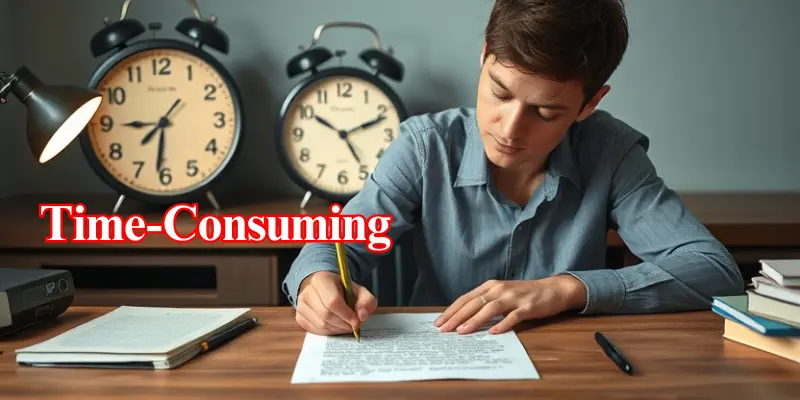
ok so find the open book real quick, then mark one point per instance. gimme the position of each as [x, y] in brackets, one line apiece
[139, 337]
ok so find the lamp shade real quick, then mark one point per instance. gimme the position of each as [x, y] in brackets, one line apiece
[56, 114]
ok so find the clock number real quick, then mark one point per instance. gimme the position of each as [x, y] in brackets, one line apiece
[343, 89]
[220, 119]
[342, 177]
[210, 90]
[363, 173]
[321, 170]
[297, 133]
[304, 155]
[382, 108]
[366, 97]
[138, 71]
[189, 71]
[322, 96]
[389, 134]
[306, 112]
[191, 168]
[212, 146]
[165, 177]
[116, 95]
[165, 62]
[380, 153]
[116, 151]
[106, 123]
[140, 165]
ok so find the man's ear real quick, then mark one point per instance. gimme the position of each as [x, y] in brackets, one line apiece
[589, 108]
[483, 53]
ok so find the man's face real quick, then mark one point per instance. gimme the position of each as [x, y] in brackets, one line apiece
[523, 117]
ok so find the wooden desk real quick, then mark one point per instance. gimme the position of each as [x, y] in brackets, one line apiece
[677, 355]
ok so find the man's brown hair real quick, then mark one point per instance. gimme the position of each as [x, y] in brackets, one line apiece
[560, 39]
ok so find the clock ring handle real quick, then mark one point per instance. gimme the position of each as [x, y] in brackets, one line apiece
[376, 41]
[195, 9]
[192, 4]
[124, 11]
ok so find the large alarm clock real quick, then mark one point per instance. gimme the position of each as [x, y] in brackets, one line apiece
[171, 118]
[335, 124]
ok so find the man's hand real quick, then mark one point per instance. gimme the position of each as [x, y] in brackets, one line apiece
[517, 300]
[321, 307]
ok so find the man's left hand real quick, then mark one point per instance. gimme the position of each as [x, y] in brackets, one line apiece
[516, 300]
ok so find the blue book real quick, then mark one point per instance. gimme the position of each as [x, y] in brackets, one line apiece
[735, 308]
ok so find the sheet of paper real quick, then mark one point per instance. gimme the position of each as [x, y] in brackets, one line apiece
[139, 330]
[408, 347]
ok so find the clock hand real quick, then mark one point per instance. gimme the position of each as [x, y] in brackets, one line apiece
[139, 124]
[162, 123]
[160, 159]
[150, 134]
[175, 104]
[367, 124]
[325, 122]
[352, 150]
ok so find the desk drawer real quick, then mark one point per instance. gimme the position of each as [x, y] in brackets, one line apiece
[163, 279]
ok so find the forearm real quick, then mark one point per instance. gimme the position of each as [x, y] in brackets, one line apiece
[681, 282]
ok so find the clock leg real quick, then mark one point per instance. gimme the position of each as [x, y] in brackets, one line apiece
[305, 200]
[119, 203]
[213, 200]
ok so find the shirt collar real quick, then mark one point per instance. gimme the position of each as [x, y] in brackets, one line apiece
[474, 168]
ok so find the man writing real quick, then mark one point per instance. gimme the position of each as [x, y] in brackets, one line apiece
[510, 202]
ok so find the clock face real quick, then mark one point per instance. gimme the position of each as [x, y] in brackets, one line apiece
[167, 123]
[335, 131]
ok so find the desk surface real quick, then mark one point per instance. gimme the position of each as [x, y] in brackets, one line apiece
[677, 355]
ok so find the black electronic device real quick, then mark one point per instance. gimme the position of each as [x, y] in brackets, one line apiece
[29, 296]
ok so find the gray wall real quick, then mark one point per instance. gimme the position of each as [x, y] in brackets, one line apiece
[712, 82]
[9, 127]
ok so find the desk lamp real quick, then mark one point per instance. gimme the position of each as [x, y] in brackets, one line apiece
[56, 116]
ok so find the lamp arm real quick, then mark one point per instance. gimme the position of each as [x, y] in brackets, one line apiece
[6, 80]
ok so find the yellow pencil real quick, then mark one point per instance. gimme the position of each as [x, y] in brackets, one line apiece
[344, 272]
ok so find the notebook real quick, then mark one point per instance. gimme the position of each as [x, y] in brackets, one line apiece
[784, 272]
[786, 347]
[735, 308]
[137, 338]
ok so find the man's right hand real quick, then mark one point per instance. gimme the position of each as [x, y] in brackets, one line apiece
[322, 309]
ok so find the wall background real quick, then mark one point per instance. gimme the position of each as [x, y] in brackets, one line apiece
[712, 83]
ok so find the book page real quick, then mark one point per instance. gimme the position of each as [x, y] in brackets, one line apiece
[139, 330]
[406, 347]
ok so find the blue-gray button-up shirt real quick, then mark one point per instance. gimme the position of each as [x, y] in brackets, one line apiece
[434, 179]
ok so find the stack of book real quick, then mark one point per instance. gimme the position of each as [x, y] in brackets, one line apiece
[767, 317]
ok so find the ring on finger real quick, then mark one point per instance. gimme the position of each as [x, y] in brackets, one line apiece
[484, 300]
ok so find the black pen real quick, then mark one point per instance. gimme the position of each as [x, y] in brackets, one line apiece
[229, 334]
[613, 353]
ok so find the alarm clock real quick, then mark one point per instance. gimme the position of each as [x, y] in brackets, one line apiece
[171, 119]
[335, 124]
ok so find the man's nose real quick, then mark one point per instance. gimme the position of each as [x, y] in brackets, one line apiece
[512, 126]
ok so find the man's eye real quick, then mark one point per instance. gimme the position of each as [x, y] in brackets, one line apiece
[547, 117]
[501, 97]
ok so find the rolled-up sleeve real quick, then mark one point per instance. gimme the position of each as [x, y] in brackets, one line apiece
[683, 266]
